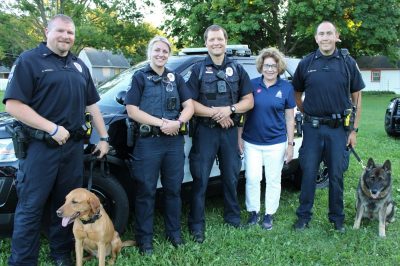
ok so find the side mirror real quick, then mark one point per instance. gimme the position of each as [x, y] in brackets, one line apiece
[120, 97]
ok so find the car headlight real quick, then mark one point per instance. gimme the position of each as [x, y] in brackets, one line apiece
[7, 152]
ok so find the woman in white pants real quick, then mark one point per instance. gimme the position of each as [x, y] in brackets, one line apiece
[267, 137]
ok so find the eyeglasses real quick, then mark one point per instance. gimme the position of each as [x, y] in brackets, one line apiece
[267, 66]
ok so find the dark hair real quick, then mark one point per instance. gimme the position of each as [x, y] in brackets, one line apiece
[215, 28]
[62, 17]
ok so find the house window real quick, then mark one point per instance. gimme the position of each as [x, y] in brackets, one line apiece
[375, 76]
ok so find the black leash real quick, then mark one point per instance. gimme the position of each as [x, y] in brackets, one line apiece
[103, 168]
[357, 157]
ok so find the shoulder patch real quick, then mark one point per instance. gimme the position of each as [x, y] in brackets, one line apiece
[78, 66]
[10, 76]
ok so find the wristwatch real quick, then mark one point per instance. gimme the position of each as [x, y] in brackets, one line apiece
[291, 143]
[107, 139]
[233, 109]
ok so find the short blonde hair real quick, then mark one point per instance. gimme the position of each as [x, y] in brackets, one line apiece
[157, 39]
[273, 53]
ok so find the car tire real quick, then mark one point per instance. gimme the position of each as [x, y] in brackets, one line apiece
[322, 177]
[113, 198]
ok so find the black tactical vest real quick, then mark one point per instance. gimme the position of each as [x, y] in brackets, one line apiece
[160, 97]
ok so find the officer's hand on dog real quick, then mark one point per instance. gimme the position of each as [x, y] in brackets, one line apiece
[61, 135]
[170, 127]
[101, 149]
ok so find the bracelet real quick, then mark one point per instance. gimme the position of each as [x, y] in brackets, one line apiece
[54, 132]
[180, 122]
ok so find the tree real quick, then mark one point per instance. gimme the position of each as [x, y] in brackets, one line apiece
[366, 26]
[103, 24]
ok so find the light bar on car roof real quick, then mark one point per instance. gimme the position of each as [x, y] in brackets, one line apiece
[231, 50]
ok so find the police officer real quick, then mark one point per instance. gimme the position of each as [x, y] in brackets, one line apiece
[49, 91]
[332, 84]
[221, 89]
[160, 103]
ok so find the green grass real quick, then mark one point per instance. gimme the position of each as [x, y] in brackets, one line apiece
[319, 245]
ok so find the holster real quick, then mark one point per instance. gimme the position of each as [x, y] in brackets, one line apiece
[19, 138]
[131, 133]
[192, 126]
[238, 119]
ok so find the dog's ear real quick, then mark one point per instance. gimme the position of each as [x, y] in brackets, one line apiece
[387, 166]
[371, 163]
[94, 204]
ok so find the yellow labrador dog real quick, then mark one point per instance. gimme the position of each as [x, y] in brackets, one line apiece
[93, 230]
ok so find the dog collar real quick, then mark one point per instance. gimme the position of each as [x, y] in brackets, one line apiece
[92, 219]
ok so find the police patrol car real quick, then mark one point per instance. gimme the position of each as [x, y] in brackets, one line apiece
[111, 179]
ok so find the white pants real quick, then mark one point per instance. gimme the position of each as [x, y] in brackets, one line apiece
[272, 157]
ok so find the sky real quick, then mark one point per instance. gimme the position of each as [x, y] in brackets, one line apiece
[155, 15]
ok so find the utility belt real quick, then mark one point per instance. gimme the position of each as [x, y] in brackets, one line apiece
[22, 135]
[146, 131]
[334, 121]
[37, 134]
[238, 121]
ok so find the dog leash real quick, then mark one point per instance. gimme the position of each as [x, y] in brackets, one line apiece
[357, 157]
[105, 171]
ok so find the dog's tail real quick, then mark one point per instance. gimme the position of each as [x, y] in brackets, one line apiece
[129, 243]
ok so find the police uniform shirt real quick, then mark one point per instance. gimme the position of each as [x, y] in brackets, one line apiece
[57, 88]
[325, 82]
[194, 83]
[266, 123]
[134, 94]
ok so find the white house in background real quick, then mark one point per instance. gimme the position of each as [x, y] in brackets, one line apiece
[379, 73]
[4, 73]
[103, 64]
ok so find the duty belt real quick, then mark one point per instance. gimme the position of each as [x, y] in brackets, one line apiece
[146, 131]
[208, 121]
[42, 135]
[211, 123]
[322, 120]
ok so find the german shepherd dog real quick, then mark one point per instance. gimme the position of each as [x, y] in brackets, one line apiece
[374, 195]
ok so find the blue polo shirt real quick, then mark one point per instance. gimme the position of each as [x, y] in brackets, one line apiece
[324, 81]
[265, 123]
[57, 88]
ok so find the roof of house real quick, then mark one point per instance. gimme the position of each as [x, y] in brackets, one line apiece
[380, 62]
[102, 58]
[4, 69]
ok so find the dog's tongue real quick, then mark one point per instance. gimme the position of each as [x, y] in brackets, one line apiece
[65, 221]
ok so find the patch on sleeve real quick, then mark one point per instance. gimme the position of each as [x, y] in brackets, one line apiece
[11, 73]
[78, 66]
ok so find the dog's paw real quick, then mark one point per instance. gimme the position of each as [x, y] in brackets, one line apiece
[356, 226]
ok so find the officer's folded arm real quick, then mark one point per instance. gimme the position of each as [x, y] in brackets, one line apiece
[245, 104]
[142, 117]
